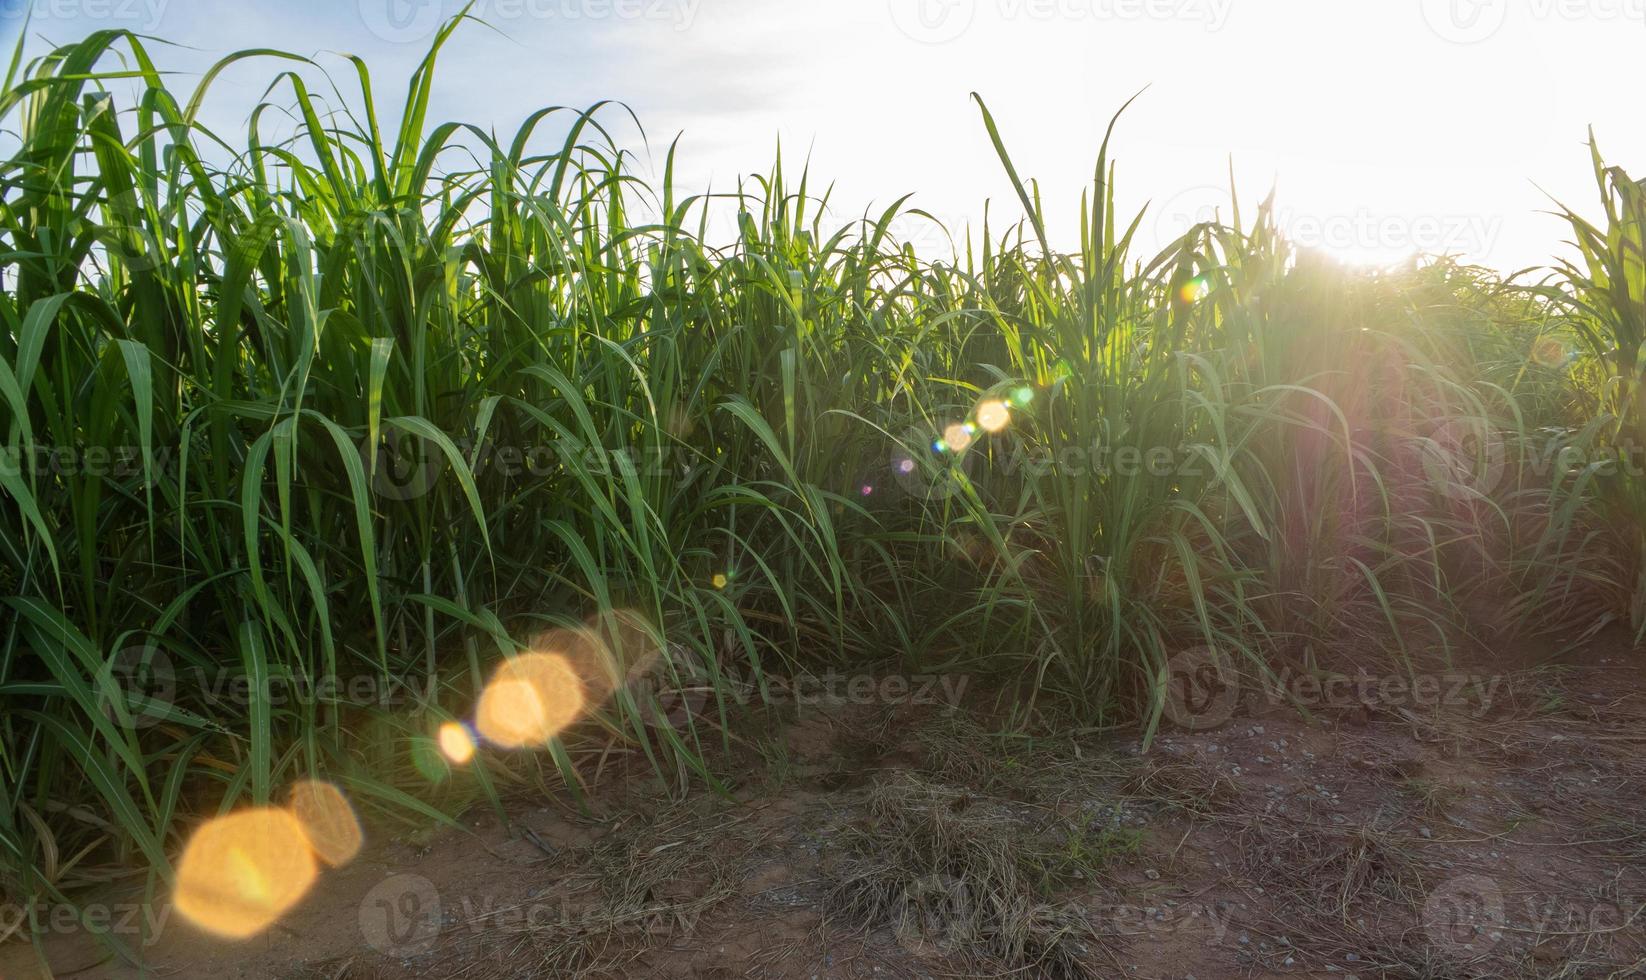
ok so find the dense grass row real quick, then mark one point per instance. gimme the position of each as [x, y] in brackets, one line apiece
[382, 405]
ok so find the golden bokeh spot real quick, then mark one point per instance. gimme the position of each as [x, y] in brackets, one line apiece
[1549, 352]
[586, 651]
[531, 699]
[957, 437]
[719, 581]
[1195, 290]
[328, 821]
[241, 872]
[993, 416]
[455, 742]
[633, 643]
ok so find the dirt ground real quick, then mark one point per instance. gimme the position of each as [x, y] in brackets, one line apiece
[1455, 824]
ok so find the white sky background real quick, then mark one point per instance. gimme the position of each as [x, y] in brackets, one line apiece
[1387, 126]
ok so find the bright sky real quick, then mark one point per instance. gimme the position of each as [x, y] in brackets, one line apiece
[1385, 125]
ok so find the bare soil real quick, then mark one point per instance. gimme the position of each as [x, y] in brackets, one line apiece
[1492, 825]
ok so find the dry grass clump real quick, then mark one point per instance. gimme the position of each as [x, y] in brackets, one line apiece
[643, 885]
[1332, 873]
[953, 874]
[1184, 786]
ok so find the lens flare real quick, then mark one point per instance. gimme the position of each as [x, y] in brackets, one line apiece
[241, 872]
[719, 581]
[1195, 290]
[905, 466]
[993, 416]
[1549, 352]
[1023, 396]
[629, 638]
[586, 651]
[328, 821]
[531, 699]
[957, 437]
[455, 742]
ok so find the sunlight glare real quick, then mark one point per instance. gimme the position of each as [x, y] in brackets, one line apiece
[327, 820]
[531, 699]
[241, 872]
[456, 744]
